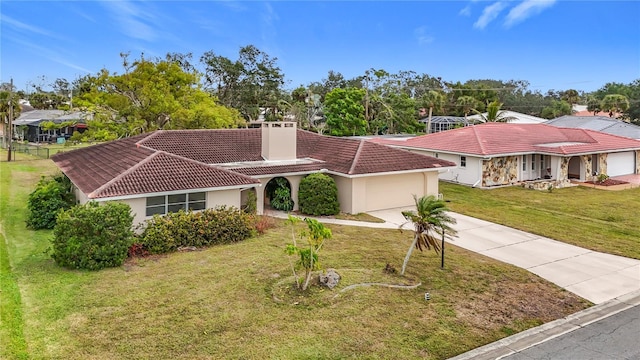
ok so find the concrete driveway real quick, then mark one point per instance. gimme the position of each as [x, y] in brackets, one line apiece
[595, 276]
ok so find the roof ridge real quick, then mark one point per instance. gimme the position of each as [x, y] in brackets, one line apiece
[123, 174]
[356, 157]
[475, 132]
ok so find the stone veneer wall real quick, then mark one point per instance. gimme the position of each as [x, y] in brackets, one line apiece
[588, 173]
[564, 169]
[602, 163]
[500, 171]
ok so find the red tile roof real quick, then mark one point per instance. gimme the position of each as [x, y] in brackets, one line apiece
[492, 139]
[186, 159]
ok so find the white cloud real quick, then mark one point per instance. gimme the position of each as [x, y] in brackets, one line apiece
[133, 20]
[466, 11]
[19, 25]
[422, 36]
[489, 14]
[525, 10]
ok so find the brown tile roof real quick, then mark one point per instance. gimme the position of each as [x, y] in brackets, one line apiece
[185, 159]
[492, 139]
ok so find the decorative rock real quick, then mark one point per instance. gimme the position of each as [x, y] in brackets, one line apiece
[330, 278]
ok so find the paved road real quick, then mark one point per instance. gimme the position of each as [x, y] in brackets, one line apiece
[612, 338]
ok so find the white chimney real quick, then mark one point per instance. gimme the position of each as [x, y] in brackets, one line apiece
[279, 140]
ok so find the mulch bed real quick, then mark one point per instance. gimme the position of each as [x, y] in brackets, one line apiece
[608, 182]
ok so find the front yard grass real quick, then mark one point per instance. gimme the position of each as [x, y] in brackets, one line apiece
[600, 220]
[235, 301]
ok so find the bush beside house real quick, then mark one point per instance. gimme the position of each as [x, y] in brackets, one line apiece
[318, 195]
[45, 202]
[222, 225]
[93, 236]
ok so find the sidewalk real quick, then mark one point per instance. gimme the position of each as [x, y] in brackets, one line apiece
[595, 276]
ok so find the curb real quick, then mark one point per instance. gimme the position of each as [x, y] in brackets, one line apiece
[534, 336]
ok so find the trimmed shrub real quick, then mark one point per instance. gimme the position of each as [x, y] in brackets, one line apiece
[318, 195]
[45, 202]
[93, 236]
[221, 225]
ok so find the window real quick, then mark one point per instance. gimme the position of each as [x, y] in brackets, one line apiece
[463, 161]
[524, 162]
[436, 155]
[173, 203]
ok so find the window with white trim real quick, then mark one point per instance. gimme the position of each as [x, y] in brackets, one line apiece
[463, 161]
[165, 204]
[524, 162]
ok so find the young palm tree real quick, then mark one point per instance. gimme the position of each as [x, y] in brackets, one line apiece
[429, 219]
[494, 114]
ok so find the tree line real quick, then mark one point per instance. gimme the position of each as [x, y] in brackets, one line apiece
[178, 92]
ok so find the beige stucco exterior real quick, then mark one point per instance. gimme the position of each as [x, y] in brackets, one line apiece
[279, 140]
[229, 198]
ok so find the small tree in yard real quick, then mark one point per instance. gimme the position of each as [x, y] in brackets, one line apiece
[318, 195]
[315, 236]
[429, 219]
[93, 236]
[50, 196]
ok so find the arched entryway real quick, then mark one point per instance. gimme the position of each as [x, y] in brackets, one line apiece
[575, 168]
[277, 194]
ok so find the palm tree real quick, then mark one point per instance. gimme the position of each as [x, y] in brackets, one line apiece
[467, 103]
[429, 219]
[433, 100]
[494, 114]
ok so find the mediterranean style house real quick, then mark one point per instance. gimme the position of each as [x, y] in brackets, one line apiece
[498, 154]
[165, 171]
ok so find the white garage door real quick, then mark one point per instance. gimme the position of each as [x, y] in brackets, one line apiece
[621, 163]
[391, 191]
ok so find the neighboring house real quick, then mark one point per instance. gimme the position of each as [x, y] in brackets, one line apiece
[164, 171]
[28, 126]
[514, 118]
[496, 154]
[603, 124]
[581, 110]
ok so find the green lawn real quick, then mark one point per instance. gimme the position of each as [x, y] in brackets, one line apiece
[600, 220]
[235, 301]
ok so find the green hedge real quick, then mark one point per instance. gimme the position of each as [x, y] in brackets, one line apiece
[221, 225]
[318, 195]
[93, 236]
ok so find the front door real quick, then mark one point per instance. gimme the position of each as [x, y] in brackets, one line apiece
[529, 167]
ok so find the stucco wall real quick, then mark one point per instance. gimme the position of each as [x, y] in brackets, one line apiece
[138, 209]
[390, 191]
[500, 171]
[345, 193]
[468, 175]
[81, 197]
[637, 161]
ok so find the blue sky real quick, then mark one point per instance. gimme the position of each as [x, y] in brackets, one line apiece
[552, 44]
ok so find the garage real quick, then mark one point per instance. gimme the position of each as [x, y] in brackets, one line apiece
[622, 163]
[391, 191]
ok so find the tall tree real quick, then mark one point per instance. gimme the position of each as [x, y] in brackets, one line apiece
[467, 103]
[429, 219]
[433, 100]
[614, 104]
[250, 84]
[344, 111]
[556, 109]
[149, 95]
